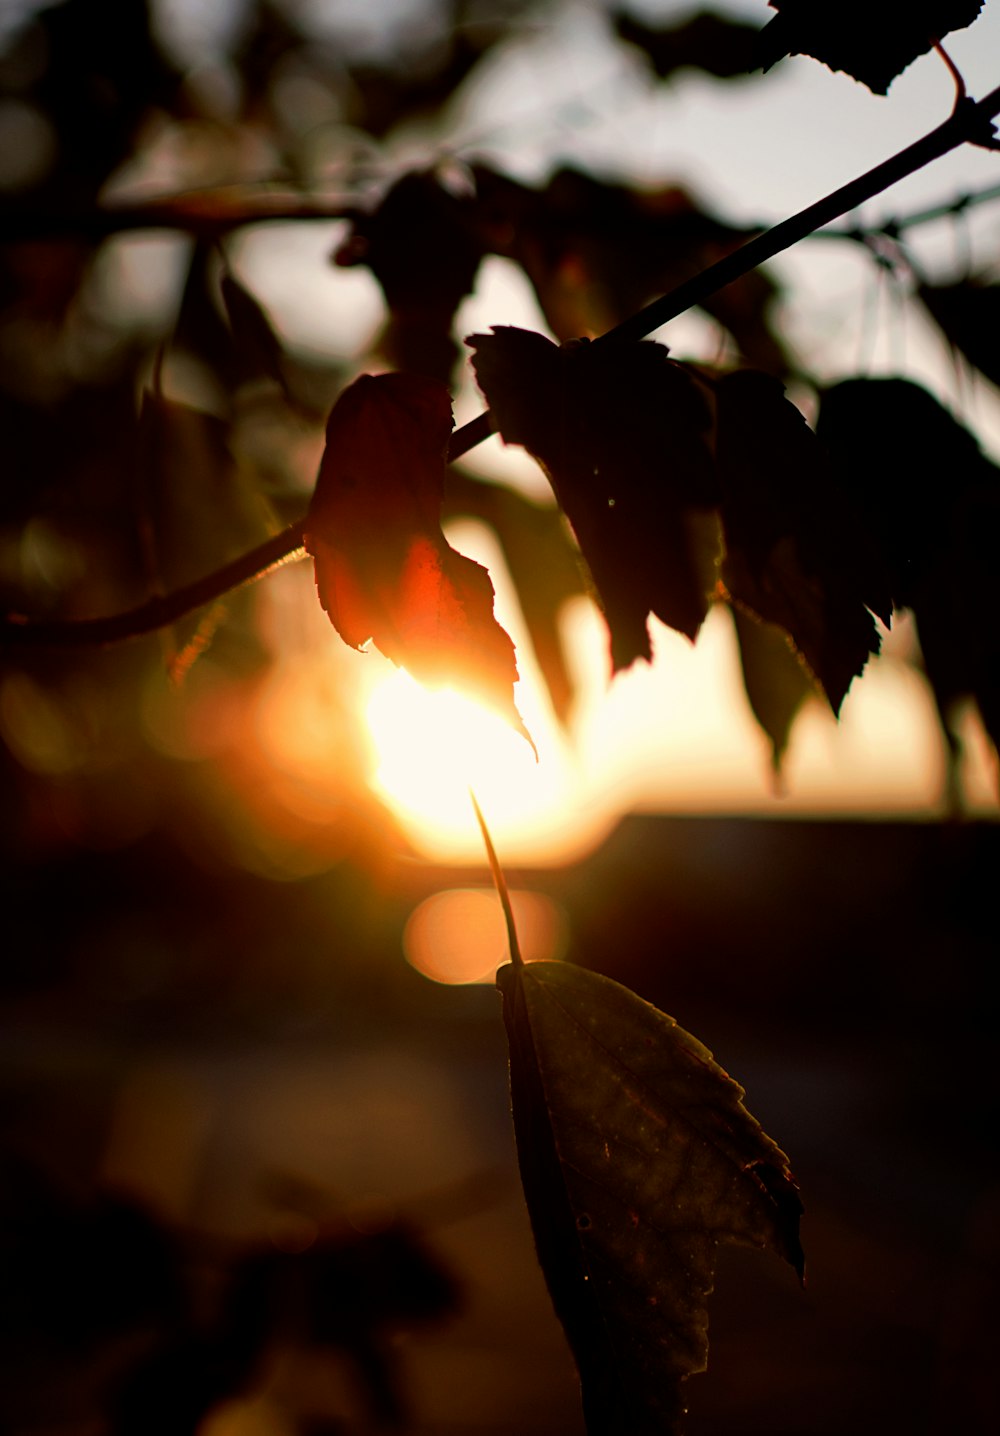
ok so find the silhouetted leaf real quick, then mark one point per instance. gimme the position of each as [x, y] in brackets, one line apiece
[717, 44]
[874, 46]
[621, 433]
[637, 1158]
[421, 246]
[938, 526]
[198, 509]
[253, 333]
[596, 252]
[776, 681]
[383, 567]
[796, 551]
[544, 565]
[969, 315]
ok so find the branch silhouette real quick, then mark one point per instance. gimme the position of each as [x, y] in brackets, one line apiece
[969, 122]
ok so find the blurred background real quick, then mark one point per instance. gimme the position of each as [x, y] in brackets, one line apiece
[257, 1170]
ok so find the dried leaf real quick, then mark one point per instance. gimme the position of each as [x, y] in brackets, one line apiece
[384, 569]
[873, 46]
[621, 433]
[637, 1158]
[796, 552]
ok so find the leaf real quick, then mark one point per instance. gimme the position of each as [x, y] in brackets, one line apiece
[969, 315]
[797, 553]
[637, 1158]
[260, 350]
[776, 681]
[421, 246]
[621, 433]
[544, 565]
[934, 509]
[596, 252]
[874, 45]
[198, 507]
[705, 41]
[384, 569]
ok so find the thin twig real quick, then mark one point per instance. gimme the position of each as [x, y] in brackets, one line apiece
[969, 122]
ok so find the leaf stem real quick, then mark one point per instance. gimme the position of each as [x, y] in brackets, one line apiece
[500, 883]
[17, 631]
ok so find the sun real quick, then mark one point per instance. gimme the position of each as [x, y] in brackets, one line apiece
[433, 746]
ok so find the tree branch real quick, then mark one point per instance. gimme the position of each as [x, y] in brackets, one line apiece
[969, 122]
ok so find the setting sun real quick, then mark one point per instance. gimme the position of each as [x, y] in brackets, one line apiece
[432, 747]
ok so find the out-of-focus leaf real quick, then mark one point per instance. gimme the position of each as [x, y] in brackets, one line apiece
[350, 1291]
[197, 508]
[596, 252]
[717, 44]
[94, 83]
[544, 565]
[933, 503]
[423, 79]
[873, 46]
[777, 683]
[421, 246]
[621, 433]
[253, 334]
[797, 553]
[637, 1158]
[384, 570]
[969, 315]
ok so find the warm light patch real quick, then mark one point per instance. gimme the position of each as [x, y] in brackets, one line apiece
[460, 936]
[433, 746]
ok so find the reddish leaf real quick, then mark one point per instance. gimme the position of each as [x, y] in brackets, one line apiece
[384, 569]
[621, 433]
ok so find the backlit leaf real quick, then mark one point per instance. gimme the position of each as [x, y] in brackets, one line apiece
[595, 252]
[420, 244]
[621, 434]
[637, 1158]
[544, 565]
[873, 45]
[933, 504]
[776, 681]
[796, 553]
[384, 570]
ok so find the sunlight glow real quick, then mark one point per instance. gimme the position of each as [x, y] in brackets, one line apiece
[434, 746]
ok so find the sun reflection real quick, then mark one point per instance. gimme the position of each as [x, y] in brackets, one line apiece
[459, 936]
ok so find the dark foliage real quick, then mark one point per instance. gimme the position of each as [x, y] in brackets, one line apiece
[874, 49]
